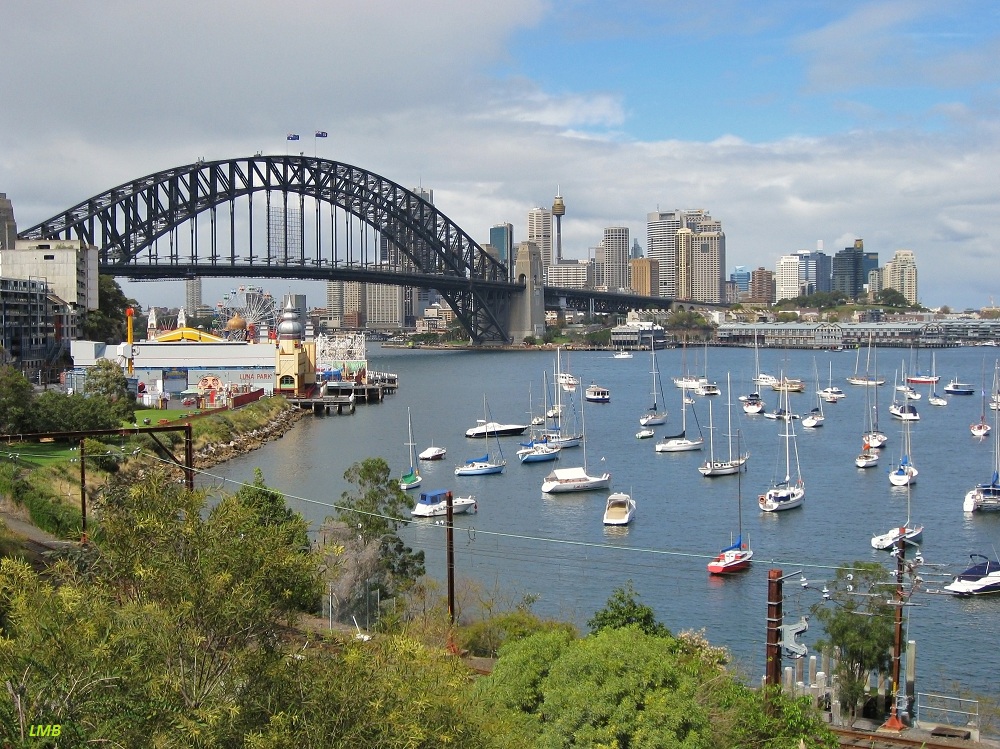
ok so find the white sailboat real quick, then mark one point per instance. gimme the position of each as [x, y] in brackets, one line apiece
[735, 557]
[681, 442]
[737, 462]
[785, 495]
[575, 479]
[982, 427]
[815, 417]
[412, 479]
[865, 379]
[564, 431]
[655, 416]
[875, 437]
[868, 456]
[907, 533]
[987, 496]
[905, 473]
[538, 449]
[487, 464]
[831, 393]
[760, 378]
[932, 396]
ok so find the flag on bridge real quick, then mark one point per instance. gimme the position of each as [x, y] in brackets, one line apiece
[292, 136]
[321, 133]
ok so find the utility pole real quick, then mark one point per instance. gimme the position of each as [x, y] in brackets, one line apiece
[450, 546]
[894, 723]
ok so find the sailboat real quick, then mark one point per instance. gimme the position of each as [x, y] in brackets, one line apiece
[654, 417]
[981, 428]
[907, 533]
[784, 495]
[831, 393]
[713, 467]
[865, 379]
[987, 496]
[575, 479]
[486, 464]
[735, 557]
[752, 403]
[903, 410]
[413, 479]
[760, 378]
[538, 449]
[868, 456]
[815, 418]
[680, 442]
[905, 473]
[560, 434]
[932, 396]
[874, 436]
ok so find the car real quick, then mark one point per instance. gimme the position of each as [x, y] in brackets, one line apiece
[189, 402]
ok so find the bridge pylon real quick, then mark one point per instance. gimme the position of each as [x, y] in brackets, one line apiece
[527, 312]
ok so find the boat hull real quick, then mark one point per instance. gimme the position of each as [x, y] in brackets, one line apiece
[653, 419]
[903, 476]
[909, 535]
[565, 480]
[493, 429]
[780, 499]
[679, 445]
[433, 453]
[539, 454]
[722, 467]
[730, 561]
[479, 468]
[620, 509]
[459, 506]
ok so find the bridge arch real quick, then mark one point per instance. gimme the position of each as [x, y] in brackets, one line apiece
[127, 222]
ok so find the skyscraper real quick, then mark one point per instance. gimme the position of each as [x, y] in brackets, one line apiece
[901, 274]
[762, 286]
[815, 270]
[706, 254]
[616, 248]
[192, 295]
[849, 270]
[645, 275]
[786, 278]
[741, 277]
[540, 232]
[502, 237]
[558, 211]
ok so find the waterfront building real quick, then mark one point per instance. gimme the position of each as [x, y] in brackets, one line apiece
[645, 275]
[705, 256]
[786, 278]
[502, 237]
[616, 249]
[850, 270]
[900, 274]
[540, 232]
[571, 274]
[762, 287]
[638, 334]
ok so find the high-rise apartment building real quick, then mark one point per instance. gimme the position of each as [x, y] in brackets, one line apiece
[850, 271]
[571, 274]
[645, 275]
[901, 274]
[616, 248]
[762, 286]
[540, 232]
[384, 306]
[192, 295]
[703, 253]
[786, 278]
[502, 237]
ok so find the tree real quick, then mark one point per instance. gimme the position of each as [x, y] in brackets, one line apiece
[16, 395]
[624, 687]
[107, 323]
[624, 610]
[683, 324]
[53, 411]
[859, 626]
[375, 560]
[892, 298]
[106, 381]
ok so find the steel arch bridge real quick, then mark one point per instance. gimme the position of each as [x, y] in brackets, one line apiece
[136, 228]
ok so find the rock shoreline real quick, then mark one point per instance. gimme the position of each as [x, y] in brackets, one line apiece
[241, 444]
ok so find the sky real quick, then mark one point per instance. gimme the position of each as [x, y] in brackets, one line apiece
[791, 122]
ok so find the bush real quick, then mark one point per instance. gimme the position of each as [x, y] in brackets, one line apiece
[484, 638]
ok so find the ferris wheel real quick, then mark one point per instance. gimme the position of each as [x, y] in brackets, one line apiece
[245, 313]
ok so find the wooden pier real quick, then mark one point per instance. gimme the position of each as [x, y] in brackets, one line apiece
[342, 396]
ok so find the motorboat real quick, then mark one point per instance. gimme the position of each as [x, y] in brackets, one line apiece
[785, 494]
[486, 429]
[433, 453]
[434, 503]
[597, 394]
[690, 382]
[619, 510]
[707, 388]
[623, 354]
[412, 479]
[832, 394]
[574, 480]
[567, 381]
[780, 413]
[645, 433]
[982, 576]
[959, 388]
[753, 403]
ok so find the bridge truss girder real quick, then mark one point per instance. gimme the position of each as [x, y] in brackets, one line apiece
[125, 223]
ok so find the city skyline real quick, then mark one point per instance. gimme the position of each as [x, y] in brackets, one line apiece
[832, 122]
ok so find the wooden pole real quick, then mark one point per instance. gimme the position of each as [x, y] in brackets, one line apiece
[188, 458]
[772, 667]
[83, 490]
[894, 723]
[450, 544]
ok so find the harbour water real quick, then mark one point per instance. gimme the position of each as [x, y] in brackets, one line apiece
[556, 548]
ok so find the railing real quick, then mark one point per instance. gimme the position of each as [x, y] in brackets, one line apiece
[955, 712]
